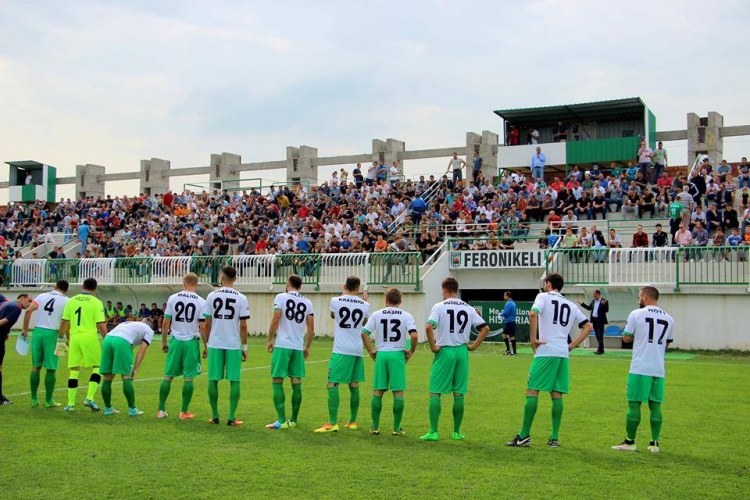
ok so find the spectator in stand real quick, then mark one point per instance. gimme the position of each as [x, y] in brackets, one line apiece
[456, 165]
[538, 162]
[583, 206]
[570, 222]
[554, 221]
[659, 239]
[731, 218]
[718, 241]
[735, 240]
[477, 163]
[632, 204]
[615, 240]
[713, 219]
[648, 203]
[744, 169]
[640, 240]
[723, 170]
[700, 237]
[698, 216]
[660, 161]
[614, 196]
[745, 218]
[683, 238]
[144, 312]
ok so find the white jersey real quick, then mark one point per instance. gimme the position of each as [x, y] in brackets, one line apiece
[295, 308]
[134, 332]
[557, 317]
[453, 319]
[185, 312]
[349, 314]
[226, 307]
[651, 328]
[390, 326]
[50, 307]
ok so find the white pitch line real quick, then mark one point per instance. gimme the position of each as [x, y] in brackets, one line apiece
[154, 379]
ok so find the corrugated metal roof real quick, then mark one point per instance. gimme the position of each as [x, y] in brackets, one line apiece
[25, 163]
[630, 107]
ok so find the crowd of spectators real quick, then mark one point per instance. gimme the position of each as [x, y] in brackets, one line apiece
[374, 210]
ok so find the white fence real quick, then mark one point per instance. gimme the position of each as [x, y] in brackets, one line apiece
[628, 266]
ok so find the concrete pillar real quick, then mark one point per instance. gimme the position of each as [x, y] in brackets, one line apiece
[307, 172]
[378, 150]
[488, 152]
[225, 172]
[393, 152]
[704, 137]
[473, 144]
[153, 180]
[292, 164]
[86, 181]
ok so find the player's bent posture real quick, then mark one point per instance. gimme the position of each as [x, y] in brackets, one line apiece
[652, 329]
[292, 315]
[184, 317]
[453, 319]
[349, 313]
[549, 372]
[44, 340]
[391, 327]
[226, 314]
[82, 321]
[117, 359]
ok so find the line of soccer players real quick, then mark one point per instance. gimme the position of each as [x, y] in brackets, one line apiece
[221, 322]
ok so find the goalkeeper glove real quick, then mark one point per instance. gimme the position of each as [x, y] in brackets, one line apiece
[61, 349]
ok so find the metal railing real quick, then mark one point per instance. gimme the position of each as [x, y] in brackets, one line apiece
[398, 268]
[696, 265]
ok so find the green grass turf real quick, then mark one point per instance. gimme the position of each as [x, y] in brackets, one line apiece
[705, 440]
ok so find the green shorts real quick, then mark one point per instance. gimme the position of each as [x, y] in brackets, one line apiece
[344, 369]
[43, 343]
[183, 358]
[287, 363]
[645, 388]
[85, 350]
[549, 374]
[117, 356]
[450, 370]
[224, 364]
[390, 371]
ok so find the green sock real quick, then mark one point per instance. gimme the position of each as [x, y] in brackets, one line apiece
[376, 405]
[187, 395]
[49, 385]
[296, 401]
[107, 393]
[398, 412]
[634, 418]
[435, 408]
[164, 388]
[655, 409]
[234, 399]
[73, 386]
[333, 405]
[34, 380]
[279, 401]
[353, 403]
[213, 397]
[458, 412]
[557, 412]
[129, 391]
[529, 410]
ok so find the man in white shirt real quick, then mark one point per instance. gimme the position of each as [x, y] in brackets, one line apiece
[349, 314]
[549, 372]
[457, 165]
[183, 318]
[453, 319]
[292, 318]
[652, 329]
[225, 334]
[117, 359]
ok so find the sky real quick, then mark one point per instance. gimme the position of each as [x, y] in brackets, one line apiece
[115, 82]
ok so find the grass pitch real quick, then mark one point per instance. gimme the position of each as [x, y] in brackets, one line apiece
[705, 440]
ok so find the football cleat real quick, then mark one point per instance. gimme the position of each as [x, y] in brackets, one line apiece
[352, 426]
[134, 412]
[327, 428]
[90, 404]
[290, 424]
[375, 432]
[278, 425]
[70, 408]
[234, 423]
[400, 432]
[6, 401]
[457, 436]
[214, 421]
[625, 446]
[52, 404]
[518, 441]
[430, 436]
[34, 403]
[161, 414]
[186, 415]
[553, 443]
[653, 447]
[108, 412]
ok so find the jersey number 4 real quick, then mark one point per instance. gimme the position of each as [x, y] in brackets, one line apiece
[50, 307]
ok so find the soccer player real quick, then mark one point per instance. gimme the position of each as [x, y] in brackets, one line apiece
[509, 318]
[44, 339]
[549, 372]
[84, 317]
[391, 327]
[292, 315]
[453, 319]
[117, 359]
[184, 315]
[349, 313]
[226, 313]
[652, 329]
[10, 311]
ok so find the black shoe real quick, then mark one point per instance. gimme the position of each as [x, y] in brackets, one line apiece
[214, 421]
[507, 353]
[599, 353]
[5, 401]
[518, 442]
[512, 354]
[553, 443]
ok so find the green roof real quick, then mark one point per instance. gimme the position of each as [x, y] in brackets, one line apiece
[617, 109]
[26, 164]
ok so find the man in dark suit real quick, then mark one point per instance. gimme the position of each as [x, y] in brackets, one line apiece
[599, 308]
